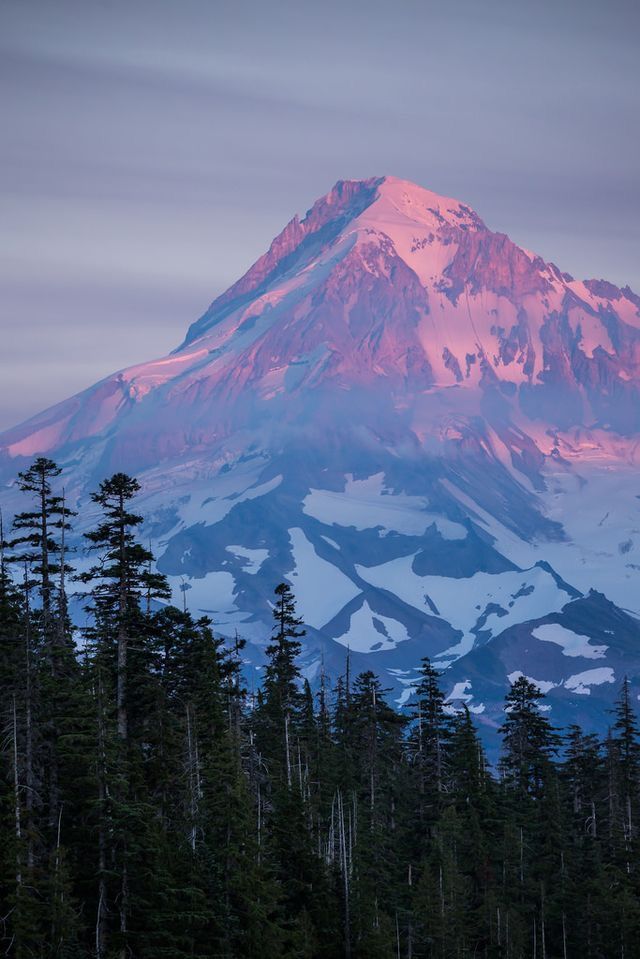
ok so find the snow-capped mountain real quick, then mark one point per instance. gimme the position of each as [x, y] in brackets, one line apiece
[429, 431]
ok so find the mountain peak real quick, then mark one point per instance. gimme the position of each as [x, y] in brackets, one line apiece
[394, 409]
[423, 205]
[320, 225]
[409, 199]
[409, 215]
[386, 286]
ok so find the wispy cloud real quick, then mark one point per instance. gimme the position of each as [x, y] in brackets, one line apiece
[152, 150]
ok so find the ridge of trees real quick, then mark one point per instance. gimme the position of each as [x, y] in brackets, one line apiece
[150, 807]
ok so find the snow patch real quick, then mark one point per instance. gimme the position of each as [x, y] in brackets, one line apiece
[321, 589]
[254, 558]
[213, 594]
[581, 682]
[460, 693]
[573, 644]
[483, 602]
[234, 487]
[330, 541]
[363, 636]
[369, 504]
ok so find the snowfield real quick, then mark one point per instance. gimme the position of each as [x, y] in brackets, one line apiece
[572, 643]
[476, 604]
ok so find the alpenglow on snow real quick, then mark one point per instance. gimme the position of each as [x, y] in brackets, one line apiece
[428, 431]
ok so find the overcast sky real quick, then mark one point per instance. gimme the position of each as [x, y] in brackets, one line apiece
[150, 150]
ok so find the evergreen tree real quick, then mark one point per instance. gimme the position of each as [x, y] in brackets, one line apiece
[626, 739]
[119, 581]
[529, 740]
[38, 548]
[125, 663]
[39, 543]
[281, 723]
[429, 741]
[149, 809]
[376, 734]
[44, 699]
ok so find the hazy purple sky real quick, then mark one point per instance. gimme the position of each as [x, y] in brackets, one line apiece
[150, 150]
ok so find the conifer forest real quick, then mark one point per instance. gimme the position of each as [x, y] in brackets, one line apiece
[154, 807]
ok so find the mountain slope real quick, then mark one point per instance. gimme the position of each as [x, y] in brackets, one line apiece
[428, 430]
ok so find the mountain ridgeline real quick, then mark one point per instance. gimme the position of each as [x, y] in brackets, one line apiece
[427, 431]
[154, 803]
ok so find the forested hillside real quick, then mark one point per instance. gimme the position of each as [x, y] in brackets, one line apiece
[154, 803]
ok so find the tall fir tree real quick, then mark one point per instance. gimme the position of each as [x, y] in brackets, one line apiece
[125, 653]
[529, 740]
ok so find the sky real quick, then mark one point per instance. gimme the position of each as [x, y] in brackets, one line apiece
[151, 150]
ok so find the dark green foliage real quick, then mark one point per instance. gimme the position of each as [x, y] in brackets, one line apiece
[39, 541]
[529, 741]
[149, 809]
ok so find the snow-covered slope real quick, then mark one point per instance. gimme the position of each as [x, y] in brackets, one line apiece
[431, 432]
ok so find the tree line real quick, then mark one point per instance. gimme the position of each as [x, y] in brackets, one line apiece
[150, 807]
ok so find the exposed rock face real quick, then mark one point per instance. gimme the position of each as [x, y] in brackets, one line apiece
[429, 430]
[298, 242]
[490, 262]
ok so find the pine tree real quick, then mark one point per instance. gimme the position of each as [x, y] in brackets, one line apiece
[119, 581]
[125, 661]
[43, 694]
[38, 548]
[12, 658]
[428, 742]
[278, 725]
[282, 695]
[626, 738]
[529, 740]
[376, 745]
[14, 893]
[39, 543]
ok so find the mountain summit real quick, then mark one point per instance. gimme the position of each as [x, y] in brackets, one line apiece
[428, 430]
